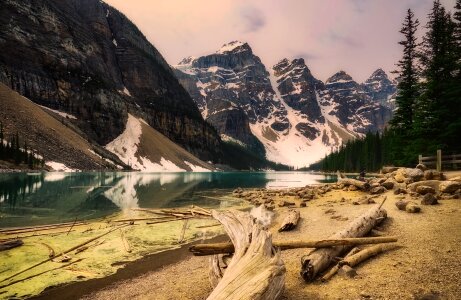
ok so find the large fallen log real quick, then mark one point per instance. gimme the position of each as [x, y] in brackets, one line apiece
[290, 221]
[320, 259]
[221, 248]
[256, 270]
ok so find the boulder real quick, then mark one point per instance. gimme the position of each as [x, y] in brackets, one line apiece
[352, 188]
[399, 191]
[388, 169]
[433, 174]
[457, 178]
[409, 173]
[424, 189]
[421, 167]
[401, 204]
[431, 183]
[388, 184]
[377, 190]
[429, 199]
[449, 186]
[412, 207]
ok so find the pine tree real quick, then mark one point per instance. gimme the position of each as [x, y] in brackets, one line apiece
[408, 88]
[436, 104]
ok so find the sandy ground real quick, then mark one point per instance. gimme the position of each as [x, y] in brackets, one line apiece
[427, 266]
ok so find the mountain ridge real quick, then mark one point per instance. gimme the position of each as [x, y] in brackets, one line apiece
[297, 110]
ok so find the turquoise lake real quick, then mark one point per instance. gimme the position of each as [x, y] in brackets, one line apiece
[44, 198]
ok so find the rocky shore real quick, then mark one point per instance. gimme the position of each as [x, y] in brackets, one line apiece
[427, 265]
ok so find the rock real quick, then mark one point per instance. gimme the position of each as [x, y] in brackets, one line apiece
[412, 207]
[302, 204]
[377, 190]
[424, 189]
[457, 178]
[388, 184]
[433, 174]
[401, 204]
[429, 199]
[421, 167]
[352, 188]
[388, 169]
[347, 271]
[413, 174]
[449, 186]
[399, 190]
[430, 183]
[285, 203]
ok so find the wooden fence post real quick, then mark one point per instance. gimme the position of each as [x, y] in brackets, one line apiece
[439, 160]
[420, 159]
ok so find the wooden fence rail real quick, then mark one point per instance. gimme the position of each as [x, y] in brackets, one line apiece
[440, 160]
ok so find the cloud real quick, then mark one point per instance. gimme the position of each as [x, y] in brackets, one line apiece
[336, 38]
[252, 18]
[359, 5]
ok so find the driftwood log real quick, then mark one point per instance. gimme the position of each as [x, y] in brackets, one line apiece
[221, 248]
[10, 244]
[290, 221]
[256, 270]
[320, 259]
[363, 255]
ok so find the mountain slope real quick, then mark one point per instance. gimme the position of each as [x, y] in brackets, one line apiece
[144, 148]
[59, 145]
[85, 58]
[297, 117]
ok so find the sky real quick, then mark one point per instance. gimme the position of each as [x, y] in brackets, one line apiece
[357, 36]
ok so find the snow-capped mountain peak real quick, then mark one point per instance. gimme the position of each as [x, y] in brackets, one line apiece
[234, 47]
[287, 113]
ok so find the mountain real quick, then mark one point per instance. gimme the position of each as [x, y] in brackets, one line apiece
[50, 134]
[296, 117]
[379, 87]
[86, 59]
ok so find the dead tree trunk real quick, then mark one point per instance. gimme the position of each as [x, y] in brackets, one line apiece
[6, 245]
[290, 221]
[256, 270]
[318, 260]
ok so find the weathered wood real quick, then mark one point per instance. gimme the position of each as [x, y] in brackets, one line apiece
[10, 244]
[38, 227]
[256, 270]
[320, 259]
[290, 221]
[220, 248]
[363, 255]
[337, 267]
[183, 231]
[362, 185]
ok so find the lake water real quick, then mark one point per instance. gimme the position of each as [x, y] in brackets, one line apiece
[44, 198]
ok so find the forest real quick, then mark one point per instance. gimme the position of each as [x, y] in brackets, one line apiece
[428, 100]
[11, 151]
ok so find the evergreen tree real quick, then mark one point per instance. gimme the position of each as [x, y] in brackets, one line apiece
[435, 105]
[408, 88]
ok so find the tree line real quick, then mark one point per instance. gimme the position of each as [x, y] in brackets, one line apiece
[428, 100]
[11, 151]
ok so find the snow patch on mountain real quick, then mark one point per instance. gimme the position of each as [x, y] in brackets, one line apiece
[126, 145]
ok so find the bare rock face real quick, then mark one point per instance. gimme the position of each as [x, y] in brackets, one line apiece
[87, 59]
[381, 88]
[449, 186]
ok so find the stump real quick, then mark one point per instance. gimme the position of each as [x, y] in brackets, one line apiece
[256, 270]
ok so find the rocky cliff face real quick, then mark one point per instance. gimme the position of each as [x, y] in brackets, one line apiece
[232, 89]
[381, 89]
[85, 58]
[297, 117]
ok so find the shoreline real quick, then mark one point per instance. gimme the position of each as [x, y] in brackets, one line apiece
[148, 263]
